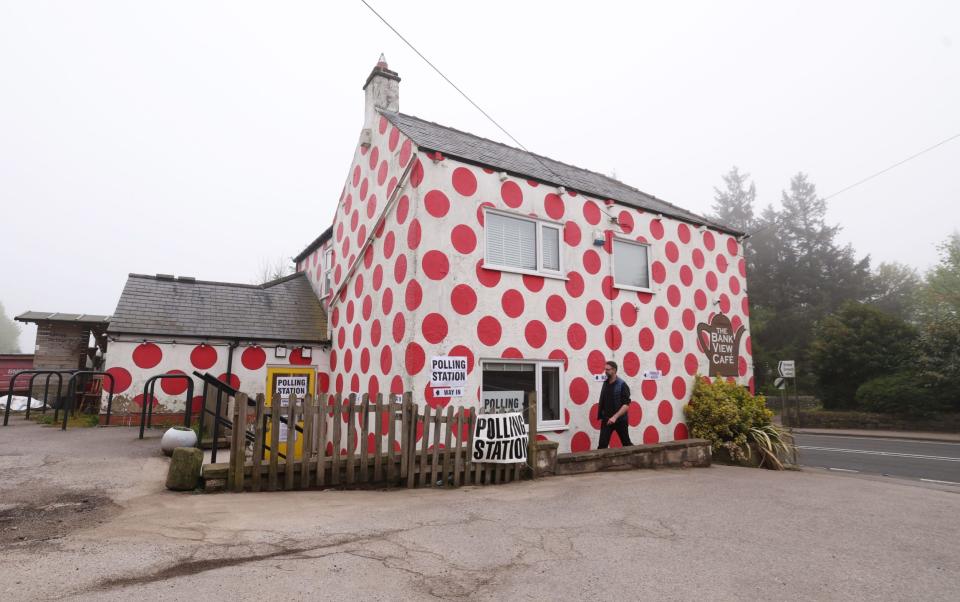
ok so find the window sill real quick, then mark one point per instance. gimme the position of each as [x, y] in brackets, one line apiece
[543, 428]
[636, 289]
[497, 268]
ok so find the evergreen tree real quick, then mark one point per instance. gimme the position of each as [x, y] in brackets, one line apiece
[895, 290]
[733, 205]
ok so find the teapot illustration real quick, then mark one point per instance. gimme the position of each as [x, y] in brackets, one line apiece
[721, 345]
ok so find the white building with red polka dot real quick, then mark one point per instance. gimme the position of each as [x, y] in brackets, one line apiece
[537, 272]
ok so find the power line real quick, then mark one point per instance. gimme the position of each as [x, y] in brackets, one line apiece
[872, 176]
[897, 164]
[560, 180]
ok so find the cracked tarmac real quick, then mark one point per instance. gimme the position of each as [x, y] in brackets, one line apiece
[717, 533]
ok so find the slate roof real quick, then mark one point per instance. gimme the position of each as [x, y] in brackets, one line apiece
[285, 309]
[481, 151]
[41, 316]
[324, 237]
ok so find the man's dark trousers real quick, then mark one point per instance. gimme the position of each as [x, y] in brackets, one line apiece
[622, 431]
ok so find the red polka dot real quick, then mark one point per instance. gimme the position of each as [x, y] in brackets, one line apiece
[698, 259]
[700, 299]
[661, 318]
[663, 363]
[464, 182]
[595, 313]
[386, 302]
[234, 380]
[405, 152]
[596, 361]
[724, 303]
[676, 341]
[734, 285]
[651, 435]
[253, 358]
[416, 172]
[413, 234]
[121, 380]
[628, 314]
[672, 252]
[437, 403]
[533, 283]
[679, 388]
[631, 363]
[463, 239]
[382, 126]
[591, 261]
[646, 339]
[436, 203]
[296, 358]
[139, 400]
[367, 310]
[594, 416]
[535, 333]
[683, 233]
[147, 355]
[511, 353]
[745, 306]
[649, 389]
[673, 295]
[511, 194]
[364, 188]
[721, 264]
[656, 229]
[356, 177]
[680, 432]
[434, 327]
[556, 308]
[414, 358]
[435, 265]
[580, 442]
[413, 295]
[574, 284]
[400, 269]
[708, 240]
[553, 205]
[742, 267]
[571, 234]
[658, 272]
[375, 332]
[742, 366]
[712, 281]
[462, 351]
[365, 360]
[489, 331]
[463, 299]
[665, 412]
[613, 338]
[512, 303]
[579, 391]
[394, 139]
[686, 275]
[488, 278]
[558, 355]
[399, 327]
[591, 212]
[576, 336]
[203, 357]
[403, 207]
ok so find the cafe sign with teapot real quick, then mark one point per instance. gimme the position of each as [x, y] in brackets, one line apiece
[721, 345]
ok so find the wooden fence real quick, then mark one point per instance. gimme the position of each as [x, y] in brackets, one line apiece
[357, 441]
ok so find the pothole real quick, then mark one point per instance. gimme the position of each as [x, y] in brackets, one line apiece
[51, 517]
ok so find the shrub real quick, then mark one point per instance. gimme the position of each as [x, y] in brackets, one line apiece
[905, 393]
[732, 419]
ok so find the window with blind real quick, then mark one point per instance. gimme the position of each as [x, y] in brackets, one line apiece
[631, 264]
[517, 243]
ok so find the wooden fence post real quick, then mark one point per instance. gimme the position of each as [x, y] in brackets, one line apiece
[362, 442]
[321, 432]
[258, 432]
[377, 434]
[274, 442]
[238, 447]
[291, 454]
[337, 436]
[306, 442]
[532, 435]
[351, 432]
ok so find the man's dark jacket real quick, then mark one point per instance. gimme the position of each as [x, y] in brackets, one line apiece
[612, 397]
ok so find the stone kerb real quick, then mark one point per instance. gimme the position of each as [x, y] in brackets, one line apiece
[688, 453]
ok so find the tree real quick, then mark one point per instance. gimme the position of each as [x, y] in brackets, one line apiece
[733, 205]
[938, 346]
[857, 343]
[895, 289]
[270, 270]
[9, 333]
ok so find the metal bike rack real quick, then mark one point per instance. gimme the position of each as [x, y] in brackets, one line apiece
[34, 373]
[146, 415]
[72, 394]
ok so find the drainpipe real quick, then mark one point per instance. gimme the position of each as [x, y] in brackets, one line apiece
[216, 421]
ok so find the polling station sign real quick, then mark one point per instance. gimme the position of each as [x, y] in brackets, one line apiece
[502, 401]
[296, 384]
[500, 438]
[448, 371]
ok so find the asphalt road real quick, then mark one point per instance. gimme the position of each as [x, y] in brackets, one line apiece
[920, 460]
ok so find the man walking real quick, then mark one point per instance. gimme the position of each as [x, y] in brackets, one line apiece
[614, 403]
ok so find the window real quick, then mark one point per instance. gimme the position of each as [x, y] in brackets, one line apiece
[542, 379]
[631, 265]
[521, 244]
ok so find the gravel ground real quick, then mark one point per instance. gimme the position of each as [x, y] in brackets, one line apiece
[84, 516]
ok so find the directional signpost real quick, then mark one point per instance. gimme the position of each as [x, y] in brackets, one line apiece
[787, 369]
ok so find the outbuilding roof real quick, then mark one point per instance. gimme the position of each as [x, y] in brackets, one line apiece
[481, 151]
[46, 316]
[285, 309]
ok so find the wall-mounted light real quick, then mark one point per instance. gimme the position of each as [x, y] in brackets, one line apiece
[562, 190]
[280, 351]
[306, 352]
[503, 176]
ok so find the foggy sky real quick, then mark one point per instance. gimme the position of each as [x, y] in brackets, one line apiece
[201, 138]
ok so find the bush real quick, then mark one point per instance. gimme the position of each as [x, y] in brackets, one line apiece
[905, 393]
[730, 417]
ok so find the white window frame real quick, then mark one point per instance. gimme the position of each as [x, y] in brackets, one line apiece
[613, 260]
[326, 266]
[542, 425]
[541, 224]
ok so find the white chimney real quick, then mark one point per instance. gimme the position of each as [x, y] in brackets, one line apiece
[382, 91]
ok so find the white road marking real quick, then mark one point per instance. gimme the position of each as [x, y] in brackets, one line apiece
[843, 470]
[878, 453]
[941, 482]
[894, 439]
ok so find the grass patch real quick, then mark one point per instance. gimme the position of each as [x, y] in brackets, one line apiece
[80, 421]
